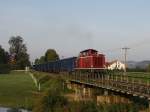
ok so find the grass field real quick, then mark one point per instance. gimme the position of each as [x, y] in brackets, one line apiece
[16, 90]
[142, 76]
[139, 74]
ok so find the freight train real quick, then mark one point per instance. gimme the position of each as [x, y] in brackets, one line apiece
[88, 59]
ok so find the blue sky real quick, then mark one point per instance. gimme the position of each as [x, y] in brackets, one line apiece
[70, 26]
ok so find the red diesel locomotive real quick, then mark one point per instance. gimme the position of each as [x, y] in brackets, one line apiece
[87, 60]
[90, 59]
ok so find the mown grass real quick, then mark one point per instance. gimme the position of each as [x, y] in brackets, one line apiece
[139, 74]
[16, 90]
[142, 76]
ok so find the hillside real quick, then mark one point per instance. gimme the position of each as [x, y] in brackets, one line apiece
[140, 64]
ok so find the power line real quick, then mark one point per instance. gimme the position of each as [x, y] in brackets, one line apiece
[133, 45]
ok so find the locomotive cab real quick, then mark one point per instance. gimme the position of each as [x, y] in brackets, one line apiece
[88, 52]
[90, 59]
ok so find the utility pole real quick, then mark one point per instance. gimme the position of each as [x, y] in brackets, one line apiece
[125, 56]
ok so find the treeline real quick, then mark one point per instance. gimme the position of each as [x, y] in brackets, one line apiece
[137, 69]
[4, 63]
[50, 55]
[17, 56]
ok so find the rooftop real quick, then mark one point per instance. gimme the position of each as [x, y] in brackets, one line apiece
[93, 50]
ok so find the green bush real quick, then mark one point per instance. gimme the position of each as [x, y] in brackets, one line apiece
[89, 107]
[50, 102]
[4, 68]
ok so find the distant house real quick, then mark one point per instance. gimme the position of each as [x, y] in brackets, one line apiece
[118, 65]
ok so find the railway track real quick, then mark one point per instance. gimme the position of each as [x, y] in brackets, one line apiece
[123, 84]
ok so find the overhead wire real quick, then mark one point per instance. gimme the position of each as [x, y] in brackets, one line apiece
[131, 46]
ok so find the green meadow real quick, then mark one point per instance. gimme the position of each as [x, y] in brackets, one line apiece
[16, 90]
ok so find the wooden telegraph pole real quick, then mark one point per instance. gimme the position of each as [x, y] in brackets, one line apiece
[125, 56]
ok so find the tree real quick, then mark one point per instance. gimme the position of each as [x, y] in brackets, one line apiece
[51, 55]
[19, 49]
[42, 59]
[37, 61]
[3, 56]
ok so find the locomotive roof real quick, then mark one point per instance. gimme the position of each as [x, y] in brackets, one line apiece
[89, 50]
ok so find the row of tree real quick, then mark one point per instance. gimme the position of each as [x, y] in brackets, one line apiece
[4, 56]
[17, 57]
[50, 55]
[137, 69]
